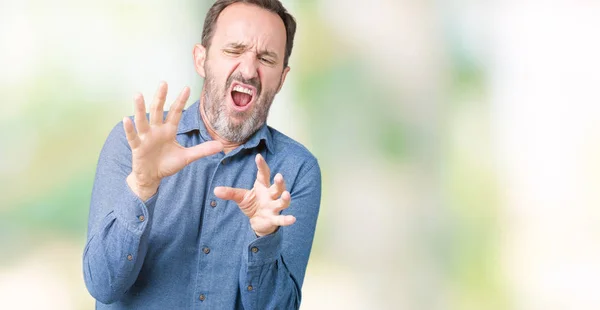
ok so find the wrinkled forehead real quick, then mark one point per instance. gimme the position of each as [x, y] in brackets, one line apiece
[252, 26]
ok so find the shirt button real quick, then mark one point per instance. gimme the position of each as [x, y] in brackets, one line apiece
[213, 203]
[250, 287]
[202, 297]
[129, 257]
[254, 249]
[141, 218]
[206, 250]
[224, 161]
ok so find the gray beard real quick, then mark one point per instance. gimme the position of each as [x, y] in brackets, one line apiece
[215, 110]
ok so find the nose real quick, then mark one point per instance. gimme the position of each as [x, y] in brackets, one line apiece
[248, 66]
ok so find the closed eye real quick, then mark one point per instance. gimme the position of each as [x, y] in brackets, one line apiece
[232, 52]
[266, 60]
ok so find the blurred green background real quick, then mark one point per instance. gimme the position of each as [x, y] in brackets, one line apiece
[458, 141]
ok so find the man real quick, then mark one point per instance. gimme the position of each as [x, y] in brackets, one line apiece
[185, 212]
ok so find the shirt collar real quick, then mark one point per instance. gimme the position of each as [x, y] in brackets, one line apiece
[191, 120]
[262, 134]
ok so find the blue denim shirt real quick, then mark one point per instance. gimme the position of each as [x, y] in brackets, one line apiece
[186, 249]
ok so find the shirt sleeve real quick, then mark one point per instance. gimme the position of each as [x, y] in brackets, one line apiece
[118, 225]
[273, 266]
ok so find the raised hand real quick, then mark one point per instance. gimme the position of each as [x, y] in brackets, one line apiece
[263, 202]
[155, 151]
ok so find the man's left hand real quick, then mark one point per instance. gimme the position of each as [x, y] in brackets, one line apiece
[263, 203]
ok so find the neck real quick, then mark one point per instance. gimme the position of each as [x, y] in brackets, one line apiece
[228, 146]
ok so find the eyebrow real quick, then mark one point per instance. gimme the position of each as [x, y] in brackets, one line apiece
[243, 46]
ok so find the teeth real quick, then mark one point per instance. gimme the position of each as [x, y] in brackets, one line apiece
[242, 89]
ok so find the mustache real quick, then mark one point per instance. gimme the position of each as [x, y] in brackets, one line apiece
[239, 78]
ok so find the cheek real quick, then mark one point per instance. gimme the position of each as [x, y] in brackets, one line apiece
[271, 80]
[219, 71]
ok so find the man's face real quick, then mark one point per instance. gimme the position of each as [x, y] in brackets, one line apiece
[243, 70]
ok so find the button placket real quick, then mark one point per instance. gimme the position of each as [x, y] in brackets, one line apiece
[209, 229]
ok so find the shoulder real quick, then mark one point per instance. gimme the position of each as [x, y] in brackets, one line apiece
[288, 146]
[296, 163]
[291, 150]
[117, 134]
[116, 142]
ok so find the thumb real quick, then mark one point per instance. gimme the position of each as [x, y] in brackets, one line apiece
[230, 193]
[203, 150]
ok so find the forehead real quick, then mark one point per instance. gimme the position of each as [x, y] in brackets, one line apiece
[250, 24]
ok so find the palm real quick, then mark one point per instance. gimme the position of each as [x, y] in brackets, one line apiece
[263, 203]
[154, 149]
[159, 155]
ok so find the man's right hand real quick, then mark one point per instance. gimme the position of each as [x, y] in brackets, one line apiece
[155, 151]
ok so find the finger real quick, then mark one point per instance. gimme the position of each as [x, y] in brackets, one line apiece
[230, 193]
[141, 123]
[278, 186]
[264, 173]
[283, 202]
[132, 137]
[202, 150]
[283, 220]
[177, 107]
[156, 109]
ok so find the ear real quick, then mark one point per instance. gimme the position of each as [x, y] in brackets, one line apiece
[283, 75]
[199, 59]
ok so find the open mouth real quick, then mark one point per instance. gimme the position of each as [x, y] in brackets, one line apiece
[242, 96]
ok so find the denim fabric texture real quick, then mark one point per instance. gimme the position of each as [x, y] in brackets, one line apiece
[186, 249]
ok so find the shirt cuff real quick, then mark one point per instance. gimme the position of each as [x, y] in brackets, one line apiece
[133, 212]
[265, 249]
